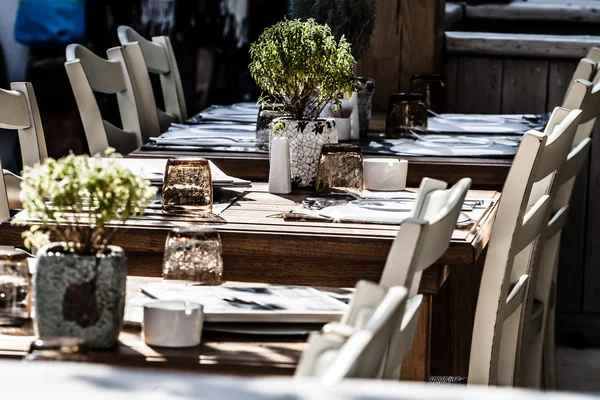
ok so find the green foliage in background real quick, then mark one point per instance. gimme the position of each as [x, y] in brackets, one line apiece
[301, 66]
[76, 197]
[353, 19]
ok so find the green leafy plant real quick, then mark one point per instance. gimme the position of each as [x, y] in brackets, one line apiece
[353, 19]
[76, 197]
[301, 66]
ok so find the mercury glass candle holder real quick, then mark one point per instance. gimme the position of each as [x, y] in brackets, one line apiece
[15, 288]
[193, 254]
[340, 168]
[406, 113]
[187, 188]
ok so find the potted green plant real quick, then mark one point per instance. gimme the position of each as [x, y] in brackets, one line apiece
[79, 281]
[354, 20]
[301, 66]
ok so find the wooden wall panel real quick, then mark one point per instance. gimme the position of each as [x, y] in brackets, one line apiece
[382, 59]
[408, 38]
[479, 85]
[524, 86]
[591, 275]
[572, 248]
[559, 77]
[451, 81]
[422, 29]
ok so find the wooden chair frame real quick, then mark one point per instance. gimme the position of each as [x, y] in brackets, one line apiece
[504, 292]
[143, 57]
[538, 348]
[89, 73]
[19, 110]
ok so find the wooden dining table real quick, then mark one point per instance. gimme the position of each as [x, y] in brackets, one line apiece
[485, 172]
[260, 246]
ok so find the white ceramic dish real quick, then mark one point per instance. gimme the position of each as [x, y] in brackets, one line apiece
[387, 174]
[173, 323]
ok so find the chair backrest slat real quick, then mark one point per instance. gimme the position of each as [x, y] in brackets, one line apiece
[155, 55]
[105, 76]
[14, 113]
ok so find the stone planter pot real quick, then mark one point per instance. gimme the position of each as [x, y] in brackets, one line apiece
[80, 296]
[365, 92]
[306, 139]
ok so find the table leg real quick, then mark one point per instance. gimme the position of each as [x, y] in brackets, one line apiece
[453, 315]
[416, 364]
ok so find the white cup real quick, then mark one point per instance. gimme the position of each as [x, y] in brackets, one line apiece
[173, 323]
[343, 128]
[385, 173]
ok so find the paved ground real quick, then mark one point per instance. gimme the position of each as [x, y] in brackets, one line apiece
[578, 370]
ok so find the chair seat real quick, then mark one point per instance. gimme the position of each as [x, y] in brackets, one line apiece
[448, 380]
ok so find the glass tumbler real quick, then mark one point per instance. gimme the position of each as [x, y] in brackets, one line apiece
[340, 168]
[15, 288]
[406, 113]
[193, 254]
[263, 126]
[431, 86]
[187, 188]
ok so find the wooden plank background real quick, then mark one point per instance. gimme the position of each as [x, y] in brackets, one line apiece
[408, 38]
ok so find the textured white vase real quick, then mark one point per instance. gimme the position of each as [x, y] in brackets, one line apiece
[306, 138]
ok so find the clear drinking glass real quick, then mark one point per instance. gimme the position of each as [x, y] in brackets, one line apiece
[187, 188]
[340, 168]
[432, 87]
[193, 254]
[263, 126]
[406, 113]
[15, 288]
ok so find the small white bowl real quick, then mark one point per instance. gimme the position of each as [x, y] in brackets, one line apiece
[385, 174]
[173, 323]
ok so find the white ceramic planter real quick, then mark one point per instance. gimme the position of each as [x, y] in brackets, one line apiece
[306, 138]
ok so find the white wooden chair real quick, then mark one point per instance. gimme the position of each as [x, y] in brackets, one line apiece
[421, 241]
[539, 341]
[341, 351]
[89, 73]
[19, 110]
[143, 57]
[522, 213]
[586, 69]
